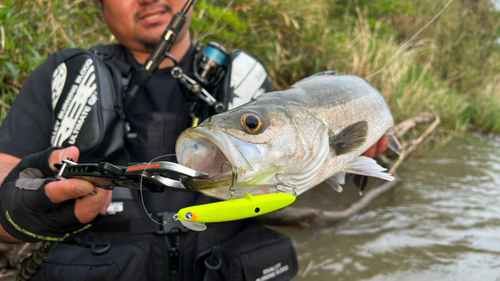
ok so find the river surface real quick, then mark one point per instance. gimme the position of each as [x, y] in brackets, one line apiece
[441, 223]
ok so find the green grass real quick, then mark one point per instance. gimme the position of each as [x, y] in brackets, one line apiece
[450, 70]
[32, 30]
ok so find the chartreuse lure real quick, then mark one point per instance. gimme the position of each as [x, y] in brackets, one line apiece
[195, 217]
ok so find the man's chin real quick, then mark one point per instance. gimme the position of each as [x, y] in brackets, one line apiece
[150, 42]
[150, 45]
[151, 33]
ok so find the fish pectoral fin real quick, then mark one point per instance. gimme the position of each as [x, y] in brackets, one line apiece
[367, 167]
[350, 138]
[335, 181]
[196, 226]
[394, 144]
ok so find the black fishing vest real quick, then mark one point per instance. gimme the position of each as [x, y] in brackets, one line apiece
[126, 244]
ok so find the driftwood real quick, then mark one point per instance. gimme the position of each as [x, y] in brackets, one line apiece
[307, 217]
[423, 118]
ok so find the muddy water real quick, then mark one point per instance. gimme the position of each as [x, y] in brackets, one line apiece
[441, 223]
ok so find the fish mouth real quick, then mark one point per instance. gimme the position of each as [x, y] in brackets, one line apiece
[210, 150]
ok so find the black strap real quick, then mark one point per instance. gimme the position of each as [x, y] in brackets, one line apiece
[110, 53]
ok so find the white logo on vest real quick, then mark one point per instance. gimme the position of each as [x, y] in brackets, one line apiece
[76, 107]
[58, 82]
[273, 271]
[114, 207]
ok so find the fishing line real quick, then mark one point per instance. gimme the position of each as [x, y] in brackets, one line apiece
[215, 23]
[407, 42]
[173, 217]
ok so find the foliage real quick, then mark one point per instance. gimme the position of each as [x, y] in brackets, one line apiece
[31, 30]
[449, 69]
[203, 21]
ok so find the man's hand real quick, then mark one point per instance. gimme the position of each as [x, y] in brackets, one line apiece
[90, 200]
[35, 206]
[378, 148]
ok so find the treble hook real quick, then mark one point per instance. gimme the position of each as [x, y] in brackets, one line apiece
[227, 163]
[232, 188]
[293, 187]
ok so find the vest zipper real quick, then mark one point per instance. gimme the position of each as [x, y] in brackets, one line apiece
[173, 245]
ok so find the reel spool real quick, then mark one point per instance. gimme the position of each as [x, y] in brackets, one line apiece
[209, 65]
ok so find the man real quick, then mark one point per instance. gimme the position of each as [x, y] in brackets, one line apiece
[123, 246]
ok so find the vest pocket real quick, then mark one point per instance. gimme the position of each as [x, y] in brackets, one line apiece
[271, 262]
[101, 262]
[146, 130]
[153, 134]
[257, 253]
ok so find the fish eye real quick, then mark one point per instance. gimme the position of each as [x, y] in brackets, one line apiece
[252, 122]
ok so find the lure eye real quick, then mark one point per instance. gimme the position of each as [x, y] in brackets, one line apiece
[252, 122]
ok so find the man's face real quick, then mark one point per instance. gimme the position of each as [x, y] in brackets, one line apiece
[139, 24]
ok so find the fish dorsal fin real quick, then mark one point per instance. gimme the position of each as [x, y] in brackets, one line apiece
[394, 144]
[350, 138]
[335, 181]
[196, 226]
[324, 73]
[367, 167]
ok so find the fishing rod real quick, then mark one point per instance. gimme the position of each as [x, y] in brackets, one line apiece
[410, 40]
[161, 52]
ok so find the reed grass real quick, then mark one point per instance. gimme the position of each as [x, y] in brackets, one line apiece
[451, 69]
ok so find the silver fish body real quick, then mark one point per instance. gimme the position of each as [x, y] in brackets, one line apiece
[289, 141]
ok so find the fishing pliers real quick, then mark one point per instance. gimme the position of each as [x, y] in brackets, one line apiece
[153, 176]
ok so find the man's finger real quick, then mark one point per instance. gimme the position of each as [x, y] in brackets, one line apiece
[59, 155]
[371, 151]
[381, 146]
[63, 190]
[88, 207]
[104, 208]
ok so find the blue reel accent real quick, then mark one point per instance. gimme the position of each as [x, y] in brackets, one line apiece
[215, 54]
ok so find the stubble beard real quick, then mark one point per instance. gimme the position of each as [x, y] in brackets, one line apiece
[150, 46]
[150, 42]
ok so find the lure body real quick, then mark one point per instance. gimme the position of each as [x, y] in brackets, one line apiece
[235, 209]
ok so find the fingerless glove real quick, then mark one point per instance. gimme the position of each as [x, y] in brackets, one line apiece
[27, 213]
